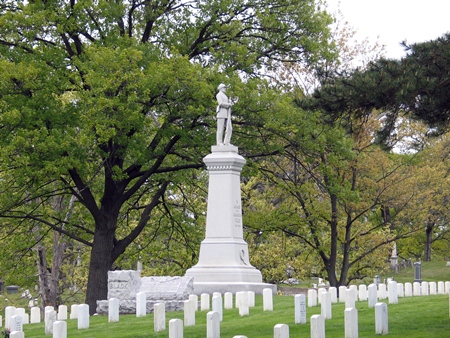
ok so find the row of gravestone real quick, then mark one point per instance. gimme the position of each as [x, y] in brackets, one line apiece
[372, 293]
[244, 300]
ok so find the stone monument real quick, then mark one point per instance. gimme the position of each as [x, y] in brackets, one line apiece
[125, 285]
[224, 264]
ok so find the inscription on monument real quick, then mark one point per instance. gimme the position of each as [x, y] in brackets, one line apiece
[237, 214]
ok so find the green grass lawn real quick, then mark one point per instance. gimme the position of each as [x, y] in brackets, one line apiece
[431, 272]
[413, 317]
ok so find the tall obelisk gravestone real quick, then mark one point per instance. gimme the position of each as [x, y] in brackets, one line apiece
[224, 264]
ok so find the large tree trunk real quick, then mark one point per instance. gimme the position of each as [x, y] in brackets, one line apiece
[100, 264]
[428, 242]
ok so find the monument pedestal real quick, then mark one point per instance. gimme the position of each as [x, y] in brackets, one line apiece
[224, 264]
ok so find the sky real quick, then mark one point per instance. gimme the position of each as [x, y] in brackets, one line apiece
[393, 21]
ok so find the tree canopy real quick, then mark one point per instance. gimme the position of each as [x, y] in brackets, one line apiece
[417, 85]
[111, 101]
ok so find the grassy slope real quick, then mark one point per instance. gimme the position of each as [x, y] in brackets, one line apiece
[413, 317]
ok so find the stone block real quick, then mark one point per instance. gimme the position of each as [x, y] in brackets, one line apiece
[59, 329]
[83, 316]
[217, 306]
[17, 334]
[441, 288]
[433, 288]
[194, 298]
[325, 309]
[35, 313]
[424, 289]
[62, 312]
[408, 290]
[49, 318]
[228, 300]
[382, 291]
[362, 292]
[251, 298]
[392, 292]
[212, 324]
[74, 311]
[350, 299]
[176, 328]
[281, 331]
[312, 298]
[317, 326]
[333, 292]
[267, 300]
[113, 310]
[189, 313]
[204, 302]
[300, 309]
[243, 303]
[124, 284]
[417, 289]
[9, 312]
[372, 295]
[16, 323]
[351, 322]
[400, 290]
[342, 293]
[159, 315]
[381, 319]
[141, 304]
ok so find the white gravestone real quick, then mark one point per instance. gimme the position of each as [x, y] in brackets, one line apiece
[333, 292]
[267, 300]
[20, 311]
[317, 326]
[355, 291]
[350, 298]
[217, 294]
[425, 291]
[1, 321]
[141, 304]
[74, 311]
[83, 316]
[217, 305]
[408, 290]
[176, 328]
[342, 290]
[159, 315]
[372, 298]
[251, 298]
[35, 315]
[16, 323]
[17, 334]
[281, 331]
[189, 313]
[228, 300]
[381, 319]
[300, 309]
[50, 318]
[351, 322]
[194, 298]
[113, 310]
[325, 309]
[320, 292]
[400, 290]
[204, 302]
[416, 289]
[62, 312]
[362, 292]
[446, 287]
[433, 289]
[312, 297]
[9, 312]
[441, 288]
[59, 329]
[243, 304]
[212, 324]
[382, 291]
[392, 292]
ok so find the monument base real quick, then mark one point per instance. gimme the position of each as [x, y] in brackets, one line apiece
[210, 288]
